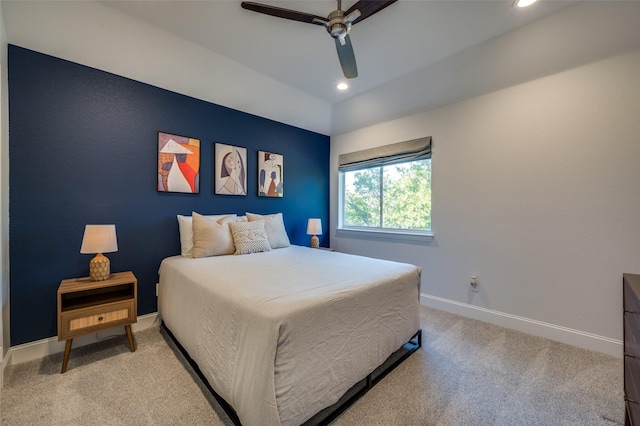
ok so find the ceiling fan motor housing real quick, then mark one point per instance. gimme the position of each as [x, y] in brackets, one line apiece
[337, 26]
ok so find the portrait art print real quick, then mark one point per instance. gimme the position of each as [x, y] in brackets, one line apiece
[230, 170]
[270, 174]
[178, 164]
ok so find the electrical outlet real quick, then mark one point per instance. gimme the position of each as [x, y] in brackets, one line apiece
[474, 283]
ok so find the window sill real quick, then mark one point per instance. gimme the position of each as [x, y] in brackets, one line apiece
[386, 235]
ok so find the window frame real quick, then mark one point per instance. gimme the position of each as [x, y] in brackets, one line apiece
[376, 233]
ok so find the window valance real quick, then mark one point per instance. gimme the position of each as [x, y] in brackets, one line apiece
[416, 149]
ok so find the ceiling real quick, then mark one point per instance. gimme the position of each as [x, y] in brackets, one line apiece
[404, 37]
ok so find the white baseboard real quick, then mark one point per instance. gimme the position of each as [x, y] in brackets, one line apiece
[41, 348]
[566, 335]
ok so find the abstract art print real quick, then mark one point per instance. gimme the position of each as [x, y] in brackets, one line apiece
[230, 170]
[178, 164]
[270, 174]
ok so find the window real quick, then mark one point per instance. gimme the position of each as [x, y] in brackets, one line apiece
[387, 189]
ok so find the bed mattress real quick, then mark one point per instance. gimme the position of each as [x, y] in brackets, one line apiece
[284, 334]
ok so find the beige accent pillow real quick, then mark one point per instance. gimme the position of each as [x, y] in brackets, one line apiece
[274, 225]
[249, 237]
[212, 237]
[185, 226]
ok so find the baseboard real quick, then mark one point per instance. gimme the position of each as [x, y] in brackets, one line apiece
[566, 335]
[41, 348]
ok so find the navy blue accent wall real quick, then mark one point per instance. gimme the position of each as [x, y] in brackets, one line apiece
[83, 149]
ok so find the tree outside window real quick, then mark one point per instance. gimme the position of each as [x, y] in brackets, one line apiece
[396, 197]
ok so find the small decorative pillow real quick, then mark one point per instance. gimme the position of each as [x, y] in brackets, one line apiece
[211, 237]
[249, 237]
[274, 225]
[185, 226]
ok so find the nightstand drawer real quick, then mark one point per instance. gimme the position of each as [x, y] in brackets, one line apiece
[631, 290]
[631, 335]
[87, 320]
[633, 411]
[101, 318]
[632, 379]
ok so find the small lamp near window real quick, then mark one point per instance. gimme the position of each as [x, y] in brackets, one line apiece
[99, 239]
[314, 227]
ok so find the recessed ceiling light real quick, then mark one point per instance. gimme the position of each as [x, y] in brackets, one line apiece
[523, 3]
[342, 86]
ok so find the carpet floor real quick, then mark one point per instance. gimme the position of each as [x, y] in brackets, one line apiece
[467, 373]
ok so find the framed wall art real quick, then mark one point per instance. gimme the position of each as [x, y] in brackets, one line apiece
[230, 170]
[270, 174]
[178, 163]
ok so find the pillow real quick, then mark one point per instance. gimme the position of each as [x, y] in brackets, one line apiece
[249, 237]
[186, 232]
[274, 225]
[211, 237]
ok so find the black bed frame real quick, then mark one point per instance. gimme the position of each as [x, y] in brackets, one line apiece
[329, 414]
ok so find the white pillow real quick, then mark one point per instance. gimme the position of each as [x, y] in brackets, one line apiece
[249, 237]
[186, 232]
[211, 237]
[274, 225]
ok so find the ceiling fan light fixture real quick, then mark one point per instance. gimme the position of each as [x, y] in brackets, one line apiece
[338, 30]
[342, 86]
[523, 3]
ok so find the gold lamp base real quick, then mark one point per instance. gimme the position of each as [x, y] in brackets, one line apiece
[99, 268]
[315, 242]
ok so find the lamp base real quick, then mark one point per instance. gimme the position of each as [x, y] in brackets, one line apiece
[99, 268]
[315, 242]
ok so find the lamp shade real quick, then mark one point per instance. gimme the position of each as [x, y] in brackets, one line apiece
[314, 227]
[99, 239]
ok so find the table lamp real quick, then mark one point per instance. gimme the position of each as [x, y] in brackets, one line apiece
[314, 227]
[99, 239]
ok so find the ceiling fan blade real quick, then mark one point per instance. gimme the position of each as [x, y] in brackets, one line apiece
[368, 8]
[347, 57]
[284, 13]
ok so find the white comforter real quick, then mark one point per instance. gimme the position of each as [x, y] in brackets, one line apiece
[284, 334]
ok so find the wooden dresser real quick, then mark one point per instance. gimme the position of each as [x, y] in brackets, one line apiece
[631, 303]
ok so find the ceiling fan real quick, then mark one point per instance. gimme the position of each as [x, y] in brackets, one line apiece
[338, 24]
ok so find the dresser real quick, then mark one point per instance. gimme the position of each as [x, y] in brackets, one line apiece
[631, 303]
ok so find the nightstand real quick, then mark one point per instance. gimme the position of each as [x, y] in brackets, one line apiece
[86, 307]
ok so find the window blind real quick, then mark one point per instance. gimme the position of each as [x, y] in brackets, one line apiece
[416, 149]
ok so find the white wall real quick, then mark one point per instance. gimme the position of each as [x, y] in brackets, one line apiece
[4, 200]
[535, 191]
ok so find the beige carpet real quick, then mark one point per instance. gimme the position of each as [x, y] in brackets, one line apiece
[466, 373]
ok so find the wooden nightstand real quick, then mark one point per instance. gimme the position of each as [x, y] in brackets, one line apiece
[86, 306]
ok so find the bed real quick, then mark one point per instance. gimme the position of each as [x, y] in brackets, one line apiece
[281, 335]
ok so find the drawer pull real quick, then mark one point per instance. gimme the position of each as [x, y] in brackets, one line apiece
[100, 318]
